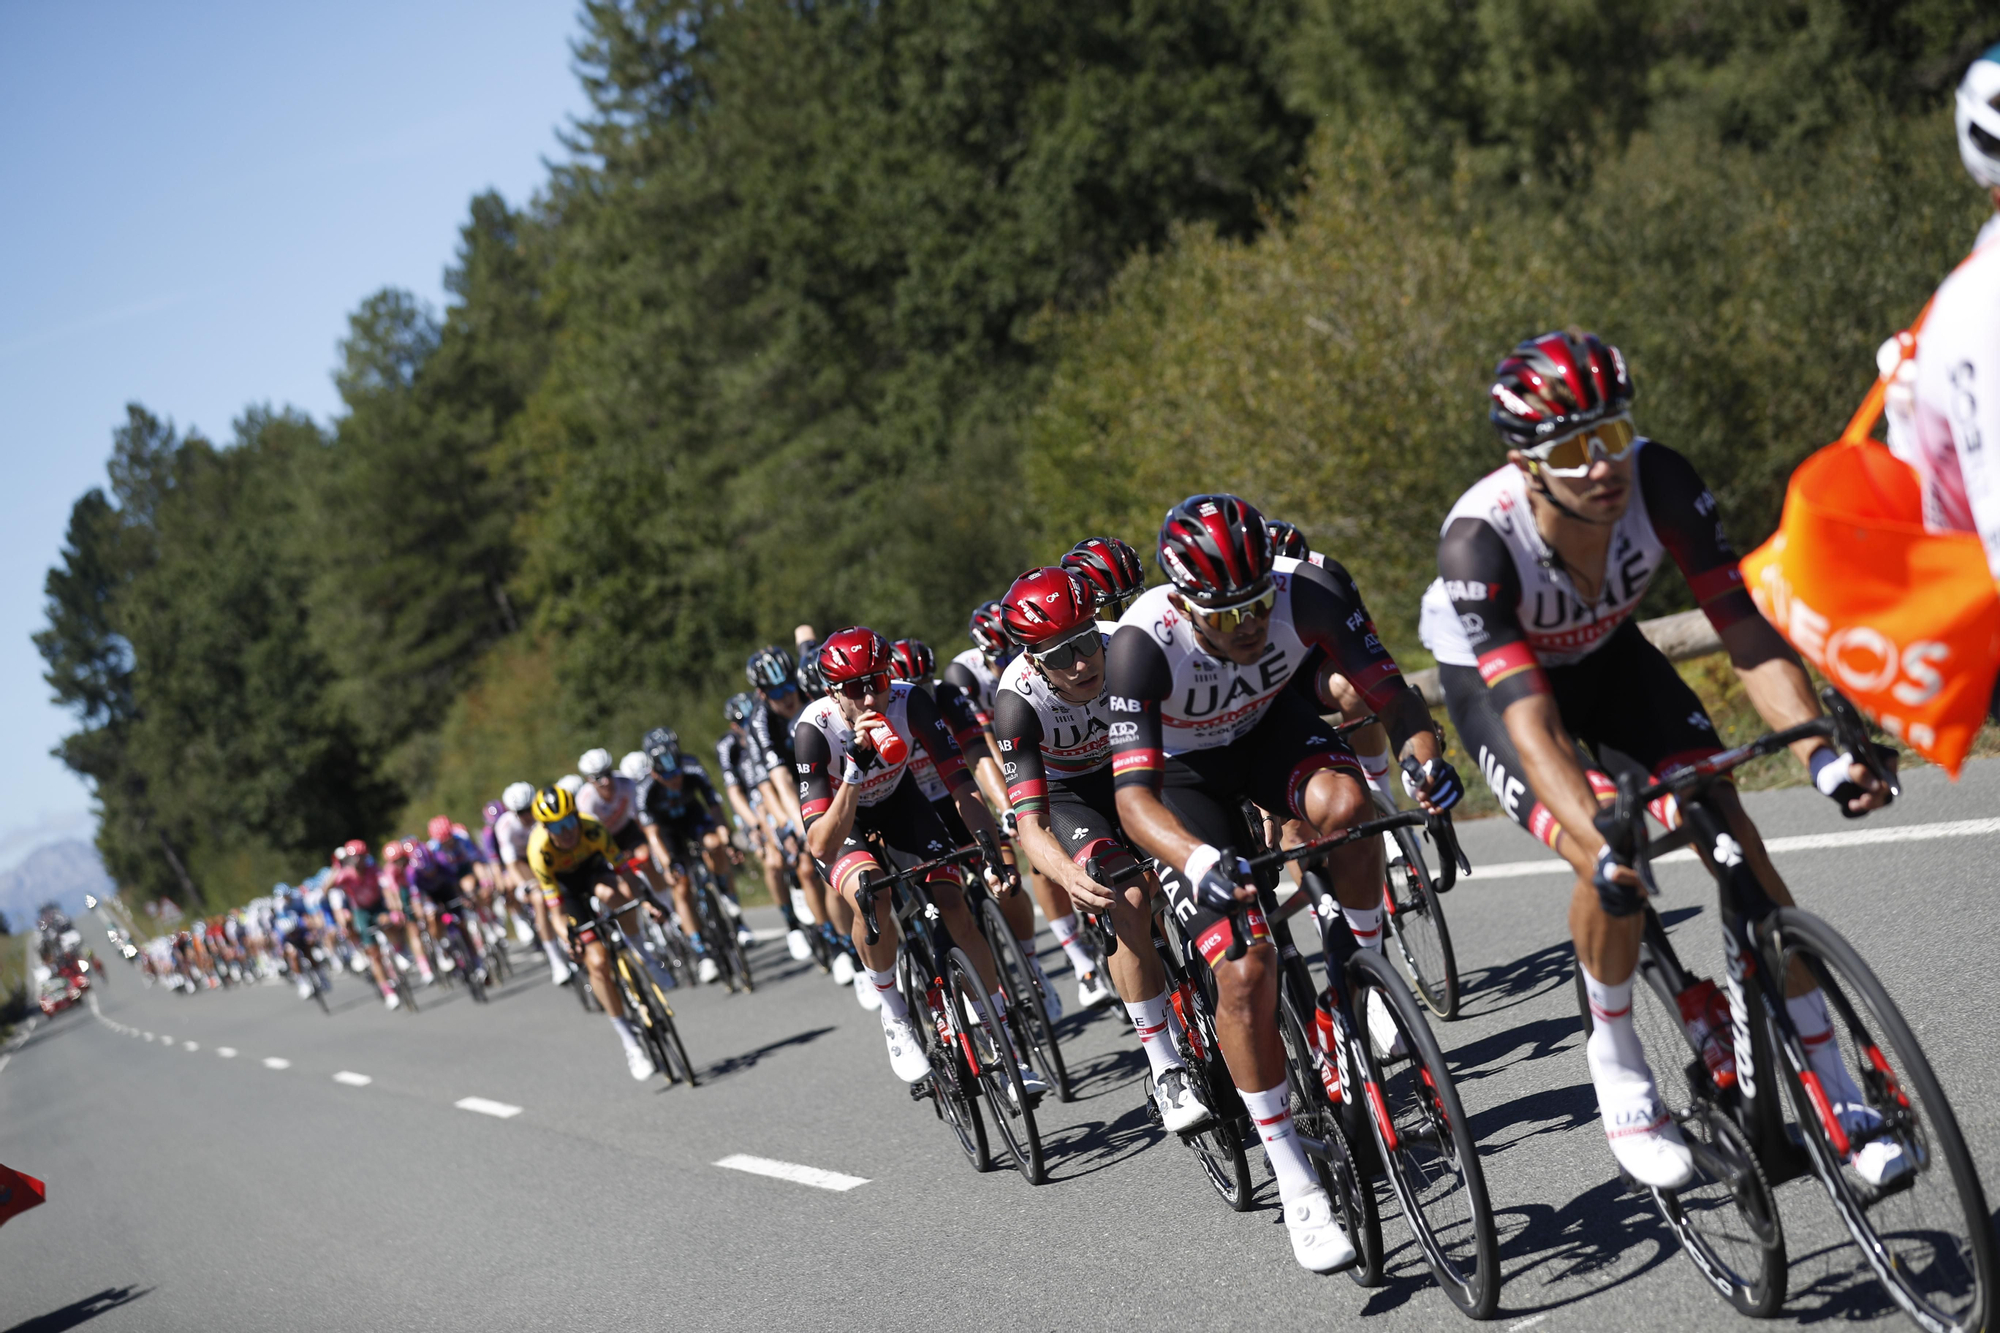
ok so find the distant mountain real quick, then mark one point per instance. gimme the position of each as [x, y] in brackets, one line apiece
[62, 871]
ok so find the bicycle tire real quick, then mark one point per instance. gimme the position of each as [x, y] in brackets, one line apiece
[727, 947]
[1353, 1197]
[1024, 999]
[1748, 1268]
[996, 1065]
[462, 960]
[319, 994]
[1416, 922]
[667, 1031]
[1420, 1103]
[950, 1097]
[1218, 1147]
[1901, 1086]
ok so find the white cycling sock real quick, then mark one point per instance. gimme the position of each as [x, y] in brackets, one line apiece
[1366, 923]
[1150, 1018]
[885, 986]
[557, 959]
[1375, 768]
[1272, 1110]
[624, 1031]
[1066, 933]
[1614, 1042]
[1815, 1027]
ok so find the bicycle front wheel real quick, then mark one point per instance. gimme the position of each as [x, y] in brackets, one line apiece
[950, 1083]
[1416, 923]
[1421, 1130]
[1925, 1230]
[1024, 995]
[1353, 1197]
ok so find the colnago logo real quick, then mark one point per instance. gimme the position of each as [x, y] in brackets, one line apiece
[1739, 1014]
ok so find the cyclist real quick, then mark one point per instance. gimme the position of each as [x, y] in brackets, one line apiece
[439, 889]
[1541, 565]
[675, 814]
[394, 878]
[743, 779]
[296, 931]
[1944, 401]
[771, 727]
[360, 886]
[510, 834]
[570, 856]
[854, 749]
[1114, 572]
[1054, 730]
[1215, 684]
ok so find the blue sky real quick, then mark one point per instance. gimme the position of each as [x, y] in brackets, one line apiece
[192, 198]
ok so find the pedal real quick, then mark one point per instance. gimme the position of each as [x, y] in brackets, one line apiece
[920, 1089]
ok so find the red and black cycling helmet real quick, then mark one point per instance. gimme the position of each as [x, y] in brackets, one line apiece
[1286, 539]
[989, 629]
[1111, 567]
[1215, 548]
[1048, 604]
[850, 654]
[912, 659]
[1556, 382]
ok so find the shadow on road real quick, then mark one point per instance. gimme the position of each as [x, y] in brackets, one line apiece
[1551, 1111]
[1598, 1241]
[1105, 1071]
[1084, 1149]
[736, 1064]
[1488, 990]
[80, 1312]
[1502, 1050]
[1835, 1283]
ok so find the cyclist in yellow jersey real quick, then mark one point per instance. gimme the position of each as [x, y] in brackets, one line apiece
[571, 858]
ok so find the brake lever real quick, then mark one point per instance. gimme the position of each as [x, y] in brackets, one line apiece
[1615, 823]
[1107, 938]
[990, 849]
[864, 898]
[1851, 731]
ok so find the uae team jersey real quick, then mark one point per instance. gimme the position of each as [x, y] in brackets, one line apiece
[1042, 735]
[824, 740]
[614, 813]
[1166, 695]
[1504, 603]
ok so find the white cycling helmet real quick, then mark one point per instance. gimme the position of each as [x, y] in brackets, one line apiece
[518, 796]
[1978, 118]
[594, 763]
[637, 765]
[571, 783]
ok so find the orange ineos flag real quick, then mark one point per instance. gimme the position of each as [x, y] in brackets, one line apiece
[1905, 621]
[19, 1193]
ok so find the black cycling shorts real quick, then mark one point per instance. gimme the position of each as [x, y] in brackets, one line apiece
[954, 822]
[579, 886]
[629, 836]
[1205, 790]
[1083, 815]
[910, 826]
[1624, 702]
[682, 835]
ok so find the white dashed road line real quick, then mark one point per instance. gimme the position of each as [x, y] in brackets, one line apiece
[792, 1171]
[498, 1110]
[352, 1079]
[1806, 842]
[276, 1062]
[1529, 1322]
[226, 1052]
[190, 1046]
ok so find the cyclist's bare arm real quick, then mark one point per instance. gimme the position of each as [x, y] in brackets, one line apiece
[1549, 754]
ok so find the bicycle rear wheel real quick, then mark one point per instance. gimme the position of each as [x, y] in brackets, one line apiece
[1427, 1146]
[1927, 1234]
[1353, 1197]
[1726, 1217]
[1416, 923]
[996, 1065]
[1218, 1147]
[1024, 996]
[950, 1085]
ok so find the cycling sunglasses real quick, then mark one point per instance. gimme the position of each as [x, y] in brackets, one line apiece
[1573, 454]
[1070, 651]
[1226, 619]
[863, 686]
[779, 691]
[567, 824]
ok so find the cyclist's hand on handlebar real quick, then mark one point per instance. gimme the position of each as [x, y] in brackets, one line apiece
[1218, 878]
[1849, 783]
[1088, 893]
[1621, 889]
[1435, 785]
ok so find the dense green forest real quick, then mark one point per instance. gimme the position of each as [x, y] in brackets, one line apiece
[844, 311]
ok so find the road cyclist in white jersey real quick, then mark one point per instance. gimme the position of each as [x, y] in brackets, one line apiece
[1541, 566]
[854, 749]
[1053, 724]
[1215, 686]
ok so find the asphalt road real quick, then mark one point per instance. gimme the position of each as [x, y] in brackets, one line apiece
[193, 1189]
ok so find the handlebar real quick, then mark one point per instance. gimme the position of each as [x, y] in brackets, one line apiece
[864, 897]
[1451, 863]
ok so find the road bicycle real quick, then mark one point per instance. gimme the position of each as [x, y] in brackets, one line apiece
[1925, 1233]
[971, 1044]
[646, 1006]
[393, 964]
[1363, 1107]
[454, 946]
[1024, 986]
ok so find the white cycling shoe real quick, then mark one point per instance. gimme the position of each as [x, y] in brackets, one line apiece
[1032, 1081]
[1181, 1108]
[866, 995]
[1879, 1161]
[638, 1062]
[797, 945]
[705, 970]
[1382, 1029]
[1319, 1242]
[843, 969]
[393, 1001]
[906, 1055]
[1644, 1138]
[305, 989]
[1093, 991]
